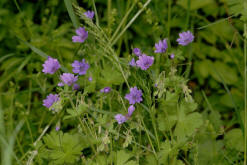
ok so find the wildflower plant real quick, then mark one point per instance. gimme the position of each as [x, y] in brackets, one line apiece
[108, 103]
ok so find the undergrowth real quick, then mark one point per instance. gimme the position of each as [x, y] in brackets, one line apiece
[188, 104]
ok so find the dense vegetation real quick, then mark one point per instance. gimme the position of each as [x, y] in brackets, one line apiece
[189, 104]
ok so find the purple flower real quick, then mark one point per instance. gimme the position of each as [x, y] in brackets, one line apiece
[90, 79]
[50, 99]
[60, 84]
[57, 128]
[155, 85]
[135, 96]
[161, 46]
[80, 67]
[50, 66]
[132, 62]
[105, 90]
[185, 38]
[144, 62]
[131, 109]
[68, 78]
[76, 86]
[137, 51]
[89, 14]
[120, 118]
[172, 56]
[81, 36]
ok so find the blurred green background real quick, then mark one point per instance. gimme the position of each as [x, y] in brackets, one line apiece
[216, 60]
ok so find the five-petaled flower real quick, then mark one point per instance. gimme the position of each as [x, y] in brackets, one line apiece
[161, 46]
[68, 78]
[185, 38]
[80, 67]
[89, 14]
[120, 118]
[144, 61]
[81, 36]
[50, 66]
[135, 96]
[50, 99]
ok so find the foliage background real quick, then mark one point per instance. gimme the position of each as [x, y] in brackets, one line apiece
[215, 65]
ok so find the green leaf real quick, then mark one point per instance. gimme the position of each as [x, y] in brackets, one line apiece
[111, 76]
[226, 100]
[187, 125]
[170, 103]
[76, 112]
[235, 140]
[123, 157]
[72, 15]
[187, 106]
[236, 7]
[165, 123]
[131, 162]
[150, 158]
[63, 148]
[201, 68]
[165, 150]
[215, 119]
[39, 52]
[36, 50]
[228, 73]
[222, 30]
[206, 34]
[168, 108]
[209, 151]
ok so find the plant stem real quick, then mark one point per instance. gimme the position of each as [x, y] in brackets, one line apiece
[169, 19]
[188, 15]
[122, 21]
[108, 13]
[96, 13]
[150, 141]
[130, 22]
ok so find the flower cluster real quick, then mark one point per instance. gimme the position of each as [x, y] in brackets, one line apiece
[51, 65]
[184, 39]
[135, 96]
[143, 62]
[123, 118]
